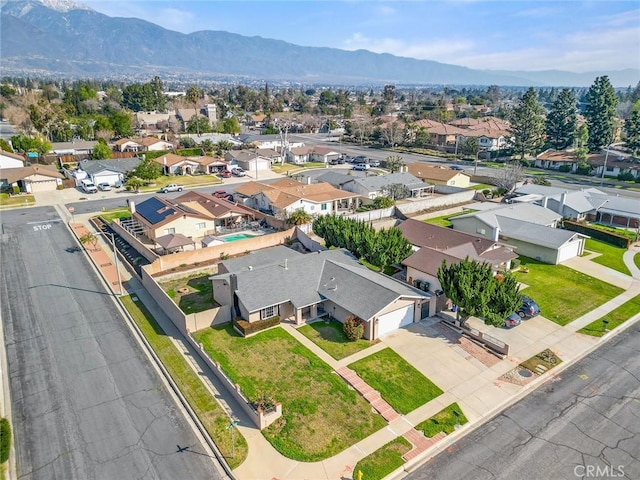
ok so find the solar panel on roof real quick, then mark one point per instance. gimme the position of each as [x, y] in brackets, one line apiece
[152, 210]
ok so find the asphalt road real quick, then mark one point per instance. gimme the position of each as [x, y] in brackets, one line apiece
[86, 402]
[584, 424]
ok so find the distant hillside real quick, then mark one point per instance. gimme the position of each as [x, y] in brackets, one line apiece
[81, 42]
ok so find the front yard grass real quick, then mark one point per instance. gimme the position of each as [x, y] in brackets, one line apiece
[383, 461]
[119, 213]
[7, 200]
[321, 416]
[636, 259]
[331, 338]
[192, 294]
[615, 318]
[563, 293]
[210, 413]
[443, 421]
[610, 255]
[184, 180]
[443, 221]
[400, 384]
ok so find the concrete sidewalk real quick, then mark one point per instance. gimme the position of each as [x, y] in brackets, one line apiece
[475, 386]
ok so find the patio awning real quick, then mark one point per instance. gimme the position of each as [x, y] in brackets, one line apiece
[174, 240]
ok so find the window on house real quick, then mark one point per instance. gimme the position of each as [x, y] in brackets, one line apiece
[324, 206]
[169, 231]
[201, 226]
[269, 312]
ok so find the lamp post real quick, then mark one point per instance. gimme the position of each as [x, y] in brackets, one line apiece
[231, 427]
[604, 167]
[115, 256]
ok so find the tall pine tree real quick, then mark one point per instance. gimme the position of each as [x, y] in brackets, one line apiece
[601, 113]
[562, 120]
[527, 125]
[632, 132]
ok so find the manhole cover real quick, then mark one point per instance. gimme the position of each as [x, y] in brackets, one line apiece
[524, 373]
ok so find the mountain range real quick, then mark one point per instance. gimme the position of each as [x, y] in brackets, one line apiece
[63, 39]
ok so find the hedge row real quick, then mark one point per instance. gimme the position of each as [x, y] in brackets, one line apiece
[608, 237]
[247, 328]
[5, 439]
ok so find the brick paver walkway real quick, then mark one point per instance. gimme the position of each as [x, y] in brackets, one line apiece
[467, 345]
[372, 396]
[420, 443]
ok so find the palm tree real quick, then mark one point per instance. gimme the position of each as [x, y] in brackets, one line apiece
[299, 217]
[193, 95]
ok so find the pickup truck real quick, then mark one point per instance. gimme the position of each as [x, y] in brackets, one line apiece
[172, 187]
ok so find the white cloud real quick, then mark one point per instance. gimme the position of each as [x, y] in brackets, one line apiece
[439, 50]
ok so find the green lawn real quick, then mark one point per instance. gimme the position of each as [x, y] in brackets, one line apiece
[119, 213]
[636, 259]
[7, 200]
[615, 318]
[331, 338]
[618, 231]
[383, 461]
[192, 294]
[184, 180]
[443, 221]
[443, 421]
[321, 415]
[611, 256]
[208, 410]
[563, 294]
[399, 383]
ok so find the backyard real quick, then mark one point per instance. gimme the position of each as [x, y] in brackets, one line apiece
[119, 213]
[563, 294]
[443, 221]
[321, 415]
[610, 256]
[192, 294]
[399, 383]
[206, 407]
[330, 337]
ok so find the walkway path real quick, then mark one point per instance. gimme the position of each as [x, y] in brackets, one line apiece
[479, 392]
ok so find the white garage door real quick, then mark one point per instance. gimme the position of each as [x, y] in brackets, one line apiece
[44, 186]
[393, 320]
[568, 251]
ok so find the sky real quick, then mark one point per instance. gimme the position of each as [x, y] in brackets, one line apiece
[571, 35]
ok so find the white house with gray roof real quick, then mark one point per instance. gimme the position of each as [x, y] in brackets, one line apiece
[379, 185]
[111, 171]
[281, 282]
[530, 228]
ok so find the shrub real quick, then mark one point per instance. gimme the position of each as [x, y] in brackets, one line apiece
[247, 328]
[265, 403]
[353, 328]
[5, 439]
[16, 190]
[60, 187]
[564, 168]
[515, 263]
[583, 170]
[626, 177]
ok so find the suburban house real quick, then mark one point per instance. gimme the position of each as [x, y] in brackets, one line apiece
[282, 197]
[127, 145]
[298, 155]
[77, 147]
[439, 175]
[334, 178]
[211, 165]
[11, 160]
[614, 164]
[111, 171]
[433, 245]
[379, 185]
[173, 164]
[273, 155]
[280, 282]
[214, 138]
[315, 153]
[440, 134]
[529, 228]
[488, 139]
[555, 159]
[192, 215]
[150, 120]
[274, 141]
[31, 179]
[248, 160]
[154, 144]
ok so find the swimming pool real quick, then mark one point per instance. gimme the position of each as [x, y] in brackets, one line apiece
[236, 236]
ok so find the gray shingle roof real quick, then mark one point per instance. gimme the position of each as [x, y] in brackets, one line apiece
[526, 212]
[535, 234]
[260, 258]
[120, 165]
[379, 182]
[334, 178]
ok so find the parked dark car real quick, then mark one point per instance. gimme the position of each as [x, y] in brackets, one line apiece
[529, 308]
[360, 159]
[512, 320]
[456, 167]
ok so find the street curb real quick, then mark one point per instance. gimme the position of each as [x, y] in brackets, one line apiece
[160, 368]
[528, 388]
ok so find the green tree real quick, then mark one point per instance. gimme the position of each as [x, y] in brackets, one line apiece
[601, 113]
[101, 150]
[198, 124]
[470, 147]
[632, 132]
[230, 125]
[25, 143]
[299, 217]
[121, 122]
[472, 286]
[4, 146]
[193, 95]
[527, 125]
[562, 120]
[5, 439]
[394, 163]
[383, 202]
[148, 170]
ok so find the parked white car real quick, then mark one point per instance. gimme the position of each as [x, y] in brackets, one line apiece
[105, 187]
[238, 172]
[172, 187]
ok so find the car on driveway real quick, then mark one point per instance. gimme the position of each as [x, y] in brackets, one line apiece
[512, 320]
[224, 174]
[374, 163]
[105, 187]
[529, 308]
[238, 172]
[361, 166]
[172, 187]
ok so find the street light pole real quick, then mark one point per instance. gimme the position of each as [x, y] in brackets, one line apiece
[604, 168]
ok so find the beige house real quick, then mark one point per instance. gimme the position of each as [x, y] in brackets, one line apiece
[32, 179]
[173, 164]
[439, 175]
